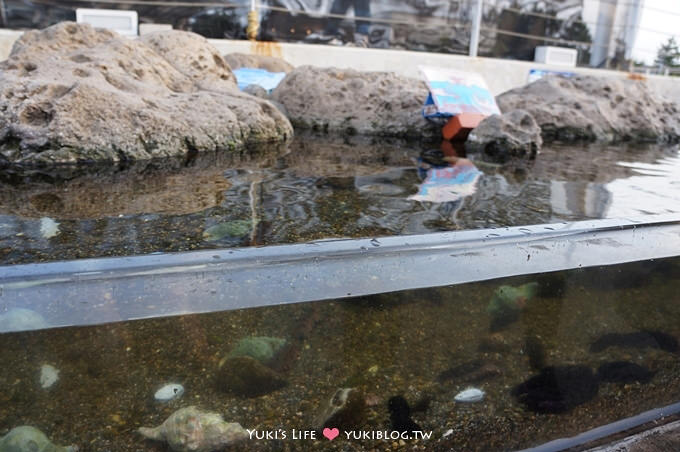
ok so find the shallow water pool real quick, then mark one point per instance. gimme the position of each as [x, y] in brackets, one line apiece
[317, 188]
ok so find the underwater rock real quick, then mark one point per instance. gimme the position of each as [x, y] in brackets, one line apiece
[624, 372]
[230, 229]
[247, 377]
[470, 395]
[29, 439]
[74, 93]
[48, 228]
[49, 375]
[507, 302]
[557, 389]
[21, 319]
[261, 348]
[346, 409]
[192, 430]
[400, 415]
[169, 392]
[638, 339]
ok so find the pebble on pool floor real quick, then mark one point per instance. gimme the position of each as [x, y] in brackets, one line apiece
[49, 375]
[169, 392]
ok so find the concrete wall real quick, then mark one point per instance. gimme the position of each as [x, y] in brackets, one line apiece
[500, 75]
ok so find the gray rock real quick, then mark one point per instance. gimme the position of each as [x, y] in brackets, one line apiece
[503, 137]
[72, 93]
[192, 56]
[29, 439]
[247, 377]
[353, 102]
[595, 109]
[268, 63]
[261, 348]
[256, 90]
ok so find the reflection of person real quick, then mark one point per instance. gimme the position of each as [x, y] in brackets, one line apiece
[331, 34]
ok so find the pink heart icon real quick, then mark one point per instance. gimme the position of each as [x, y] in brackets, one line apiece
[331, 433]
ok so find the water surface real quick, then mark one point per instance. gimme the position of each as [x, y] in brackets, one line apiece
[317, 188]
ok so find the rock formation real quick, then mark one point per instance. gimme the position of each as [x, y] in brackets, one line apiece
[353, 102]
[72, 93]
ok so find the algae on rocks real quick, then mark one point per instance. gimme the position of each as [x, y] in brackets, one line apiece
[261, 348]
[29, 439]
[73, 93]
[508, 301]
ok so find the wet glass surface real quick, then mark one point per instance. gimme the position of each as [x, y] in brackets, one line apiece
[554, 354]
[316, 188]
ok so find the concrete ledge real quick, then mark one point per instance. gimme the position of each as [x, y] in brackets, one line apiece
[501, 75]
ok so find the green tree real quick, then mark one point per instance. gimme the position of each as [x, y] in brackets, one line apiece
[668, 54]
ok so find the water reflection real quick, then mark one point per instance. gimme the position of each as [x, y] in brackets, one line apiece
[320, 188]
[585, 348]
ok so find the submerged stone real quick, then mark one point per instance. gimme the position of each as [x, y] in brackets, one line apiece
[230, 229]
[247, 377]
[49, 375]
[508, 301]
[557, 389]
[29, 439]
[261, 348]
[169, 392]
[470, 395]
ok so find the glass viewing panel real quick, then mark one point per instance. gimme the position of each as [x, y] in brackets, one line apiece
[497, 365]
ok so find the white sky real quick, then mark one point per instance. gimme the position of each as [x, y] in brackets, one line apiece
[653, 24]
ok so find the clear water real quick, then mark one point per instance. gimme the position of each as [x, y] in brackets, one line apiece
[319, 188]
[424, 345]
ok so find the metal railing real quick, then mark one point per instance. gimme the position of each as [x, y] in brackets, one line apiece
[476, 26]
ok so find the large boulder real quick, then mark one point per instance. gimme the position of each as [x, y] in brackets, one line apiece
[269, 63]
[595, 109]
[72, 93]
[353, 102]
[505, 137]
